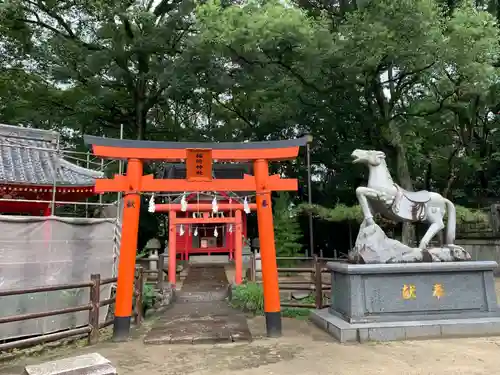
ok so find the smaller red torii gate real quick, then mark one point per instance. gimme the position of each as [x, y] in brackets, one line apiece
[199, 158]
[173, 220]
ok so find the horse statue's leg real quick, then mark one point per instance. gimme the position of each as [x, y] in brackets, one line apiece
[435, 218]
[362, 193]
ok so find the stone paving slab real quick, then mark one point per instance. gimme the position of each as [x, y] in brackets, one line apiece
[204, 282]
[199, 323]
[200, 314]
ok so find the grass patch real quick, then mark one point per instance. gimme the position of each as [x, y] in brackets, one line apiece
[249, 297]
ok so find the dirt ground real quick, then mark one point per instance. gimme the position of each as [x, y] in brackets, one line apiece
[303, 349]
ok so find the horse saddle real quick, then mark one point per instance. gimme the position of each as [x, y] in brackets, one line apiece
[410, 205]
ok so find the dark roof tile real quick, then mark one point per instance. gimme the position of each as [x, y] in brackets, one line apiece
[29, 156]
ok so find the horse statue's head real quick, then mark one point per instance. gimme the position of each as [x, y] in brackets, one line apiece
[368, 157]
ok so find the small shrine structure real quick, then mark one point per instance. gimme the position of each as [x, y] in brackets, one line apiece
[202, 237]
[34, 176]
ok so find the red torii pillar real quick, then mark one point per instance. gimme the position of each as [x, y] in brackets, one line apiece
[199, 158]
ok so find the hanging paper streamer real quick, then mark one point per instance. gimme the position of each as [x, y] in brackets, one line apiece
[216, 234]
[151, 206]
[246, 207]
[230, 230]
[181, 230]
[184, 203]
[215, 206]
[195, 232]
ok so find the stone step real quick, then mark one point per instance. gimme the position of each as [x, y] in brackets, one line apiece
[208, 259]
[202, 296]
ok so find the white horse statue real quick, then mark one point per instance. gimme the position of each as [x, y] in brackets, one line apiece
[385, 197]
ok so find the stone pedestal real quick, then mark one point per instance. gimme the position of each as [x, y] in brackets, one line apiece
[386, 302]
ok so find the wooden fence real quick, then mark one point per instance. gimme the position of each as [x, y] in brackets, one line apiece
[91, 330]
[315, 284]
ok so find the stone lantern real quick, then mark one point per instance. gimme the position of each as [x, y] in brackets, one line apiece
[152, 248]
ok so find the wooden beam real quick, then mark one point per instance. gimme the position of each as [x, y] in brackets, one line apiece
[277, 154]
[199, 220]
[193, 207]
[150, 184]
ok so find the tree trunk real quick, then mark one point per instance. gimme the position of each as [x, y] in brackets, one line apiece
[140, 107]
[404, 178]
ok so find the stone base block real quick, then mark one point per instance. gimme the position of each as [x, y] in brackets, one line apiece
[387, 302]
[411, 292]
[404, 330]
[87, 364]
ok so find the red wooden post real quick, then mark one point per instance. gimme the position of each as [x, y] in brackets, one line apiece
[172, 252]
[238, 249]
[272, 304]
[186, 242]
[230, 242]
[128, 250]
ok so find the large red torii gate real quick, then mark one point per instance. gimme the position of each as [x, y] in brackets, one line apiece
[198, 158]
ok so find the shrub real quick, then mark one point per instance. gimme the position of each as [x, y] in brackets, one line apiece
[249, 297]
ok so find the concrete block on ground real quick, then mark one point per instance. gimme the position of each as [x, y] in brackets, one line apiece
[87, 364]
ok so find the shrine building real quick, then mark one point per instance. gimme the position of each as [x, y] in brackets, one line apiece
[32, 167]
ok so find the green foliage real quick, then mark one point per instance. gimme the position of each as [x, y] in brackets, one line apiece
[287, 232]
[417, 79]
[249, 297]
[299, 312]
[148, 296]
[342, 213]
[339, 213]
[120, 62]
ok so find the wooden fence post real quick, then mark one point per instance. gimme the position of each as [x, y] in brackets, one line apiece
[252, 267]
[318, 282]
[161, 265]
[139, 291]
[95, 299]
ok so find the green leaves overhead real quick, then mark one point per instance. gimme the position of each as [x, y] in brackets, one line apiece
[417, 79]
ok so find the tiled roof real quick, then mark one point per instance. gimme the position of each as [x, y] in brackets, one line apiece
[29, 156]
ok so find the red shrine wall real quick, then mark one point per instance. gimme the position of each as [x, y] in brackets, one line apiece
[35, 201]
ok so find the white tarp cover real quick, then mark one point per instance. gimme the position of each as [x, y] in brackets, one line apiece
[39, 251]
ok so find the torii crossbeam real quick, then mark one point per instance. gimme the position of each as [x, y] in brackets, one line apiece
[198, 157]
